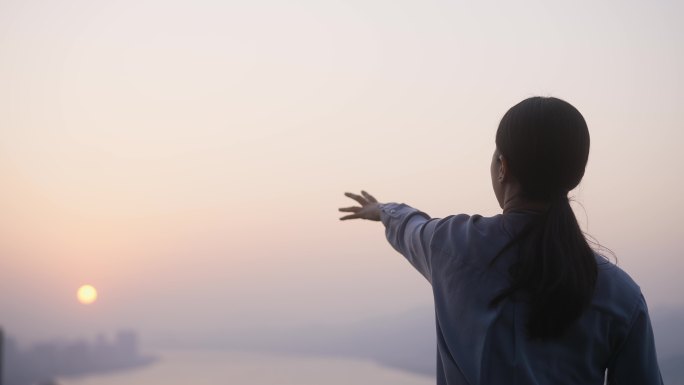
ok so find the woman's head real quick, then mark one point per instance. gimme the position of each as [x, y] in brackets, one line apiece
[544, 143]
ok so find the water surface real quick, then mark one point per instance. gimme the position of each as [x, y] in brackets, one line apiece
[200, 367]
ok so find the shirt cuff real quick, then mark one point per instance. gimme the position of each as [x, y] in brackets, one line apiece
[390, 211]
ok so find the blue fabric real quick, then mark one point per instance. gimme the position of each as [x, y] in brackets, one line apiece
[481, 344]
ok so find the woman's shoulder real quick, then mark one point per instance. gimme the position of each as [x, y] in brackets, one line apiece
[616, 292]
[471, 236]
[612, 277]
[453, 225]
[487, 227]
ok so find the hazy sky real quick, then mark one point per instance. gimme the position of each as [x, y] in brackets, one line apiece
[187, 157]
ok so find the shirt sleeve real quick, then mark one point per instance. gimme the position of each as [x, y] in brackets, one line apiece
[635, 361]
[410, 231]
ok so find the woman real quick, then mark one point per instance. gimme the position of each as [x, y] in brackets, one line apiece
[521, 298]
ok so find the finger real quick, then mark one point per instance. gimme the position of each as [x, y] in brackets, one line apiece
[357, 198]
[352, 209]
[369, 197]
[350, 216]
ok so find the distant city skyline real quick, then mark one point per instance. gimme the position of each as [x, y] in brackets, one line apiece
[46, 361]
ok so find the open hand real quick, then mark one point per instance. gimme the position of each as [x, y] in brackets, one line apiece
[370, 208]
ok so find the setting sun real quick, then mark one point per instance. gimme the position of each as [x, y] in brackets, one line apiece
[86, 294]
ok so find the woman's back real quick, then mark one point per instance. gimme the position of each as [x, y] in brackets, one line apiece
[480, 343]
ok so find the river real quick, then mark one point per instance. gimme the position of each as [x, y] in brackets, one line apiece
[204, 367]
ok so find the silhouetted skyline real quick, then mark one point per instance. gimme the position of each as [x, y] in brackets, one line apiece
[46, 361]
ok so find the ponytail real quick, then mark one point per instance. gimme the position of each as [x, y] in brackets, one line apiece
[555, 270]
[558, 268]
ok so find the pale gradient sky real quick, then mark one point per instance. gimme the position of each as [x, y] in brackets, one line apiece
[187, 157]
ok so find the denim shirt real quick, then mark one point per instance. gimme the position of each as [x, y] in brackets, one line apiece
[482, 344]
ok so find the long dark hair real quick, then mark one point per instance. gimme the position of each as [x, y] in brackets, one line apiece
[546, 144]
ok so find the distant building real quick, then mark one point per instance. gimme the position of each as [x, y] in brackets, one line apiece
[127, 342]
[2, 347]
[43, 362]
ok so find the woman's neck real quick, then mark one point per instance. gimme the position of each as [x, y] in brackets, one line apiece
[517, 202]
